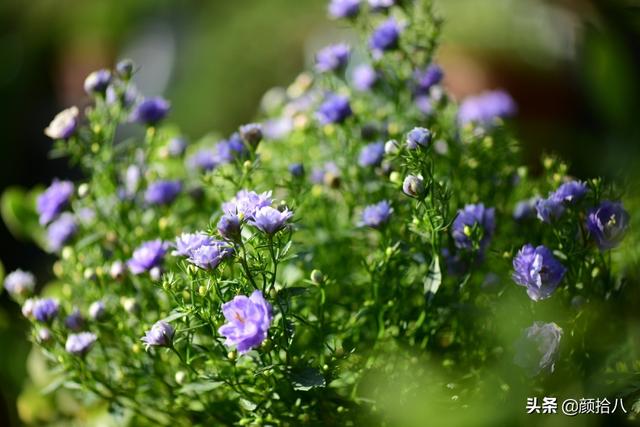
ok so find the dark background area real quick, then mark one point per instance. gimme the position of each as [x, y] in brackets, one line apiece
[571, 65]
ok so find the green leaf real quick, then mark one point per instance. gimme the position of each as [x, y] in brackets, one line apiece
[434, 278]
[307, 379]
[17, 207]
[199, 387]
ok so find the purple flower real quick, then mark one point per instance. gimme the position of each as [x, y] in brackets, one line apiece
[425, 79]
[97, 310]
[525, 209]
[147, 256]
[246, 203]
[485, 108]
[248, 321]
[204, 159]
[210, 256]
[423, 102]
[160, 335]
[570, 192]
[296, 170]
[607, 224]
[418, 137]
[233, 148]
[537, 348]
[375, 216]
[474, 222]
[333, 58]
[364, 77]
[549, 209]
[61, 231]
[385, 36]
[251, 133]
[371, 154]
[186, 243]
[334, 109]
[162, 192]
[74, 321]
[344, 8]
[413, 186]
[150, 111]
[45, 310]
[55, 198]
[176, 146]
[270, 220]
[537, 270]
[64, 124]
[80, 344]
[97, 82]
[20, 283]
[377, 5]
[229, 227]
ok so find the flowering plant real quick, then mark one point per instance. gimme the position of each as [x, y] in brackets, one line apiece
[361, 251]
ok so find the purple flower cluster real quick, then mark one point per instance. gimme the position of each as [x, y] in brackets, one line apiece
[54, 200]
[248, 321]
[188, 242]
[377, 215]
[150, 111]
[386, 36]
[44, 310]
[160, 335]
[371, 154]
[418, 137]
[485, 108]
[20, 283]
[162, 192]
[553, 206]
[425, 79]
[607, 224]
[473, 222]
[270, 220]
[333, 58]
[147, 256]
[537, 270]
[246, 203]
[344, 8]
[61, 231]
[80, 344]
[334, 109]
[537, 348]
[202, 250]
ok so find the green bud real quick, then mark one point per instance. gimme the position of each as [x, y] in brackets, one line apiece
[317, 277]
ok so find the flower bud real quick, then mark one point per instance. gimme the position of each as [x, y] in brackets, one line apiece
[391, 147]
[317, 277]
[251, 134]
[413, 186]
[124, 68]
[97, 82]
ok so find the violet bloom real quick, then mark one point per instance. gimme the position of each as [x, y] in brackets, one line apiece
[251, 133]
[377, 5]
[97, 82]
[208, 257]
[344, 8]
[97, 310]
[233, 148]
[377, 215]
[204, 159]
[186, 243]
[536, 350]
[570, 192]
[364, 77]
[334, 109]
[537, 270]
[270, 220]
[248, 321]
[425, 79]
[20, 283]
[418, 137]
[485, 108]
[413, 186]
[525, 209]
[74, 321]
[54, 199]
[607, 224]
[64, 124]
[61, 231]
[80, 344]
[162, 192]
[296, 170]
[549, 209]
[333, 58]
[554, 206]
[147, 256]
[385, 36]
[229, 227]
[45, 310]
[371, 154]
[150, 111]
[473, 219]
[160, 335]
[246, 203]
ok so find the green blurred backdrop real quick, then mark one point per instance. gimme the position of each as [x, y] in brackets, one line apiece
[572, 66]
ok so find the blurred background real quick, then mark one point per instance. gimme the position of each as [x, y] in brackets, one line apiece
[573, 67]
